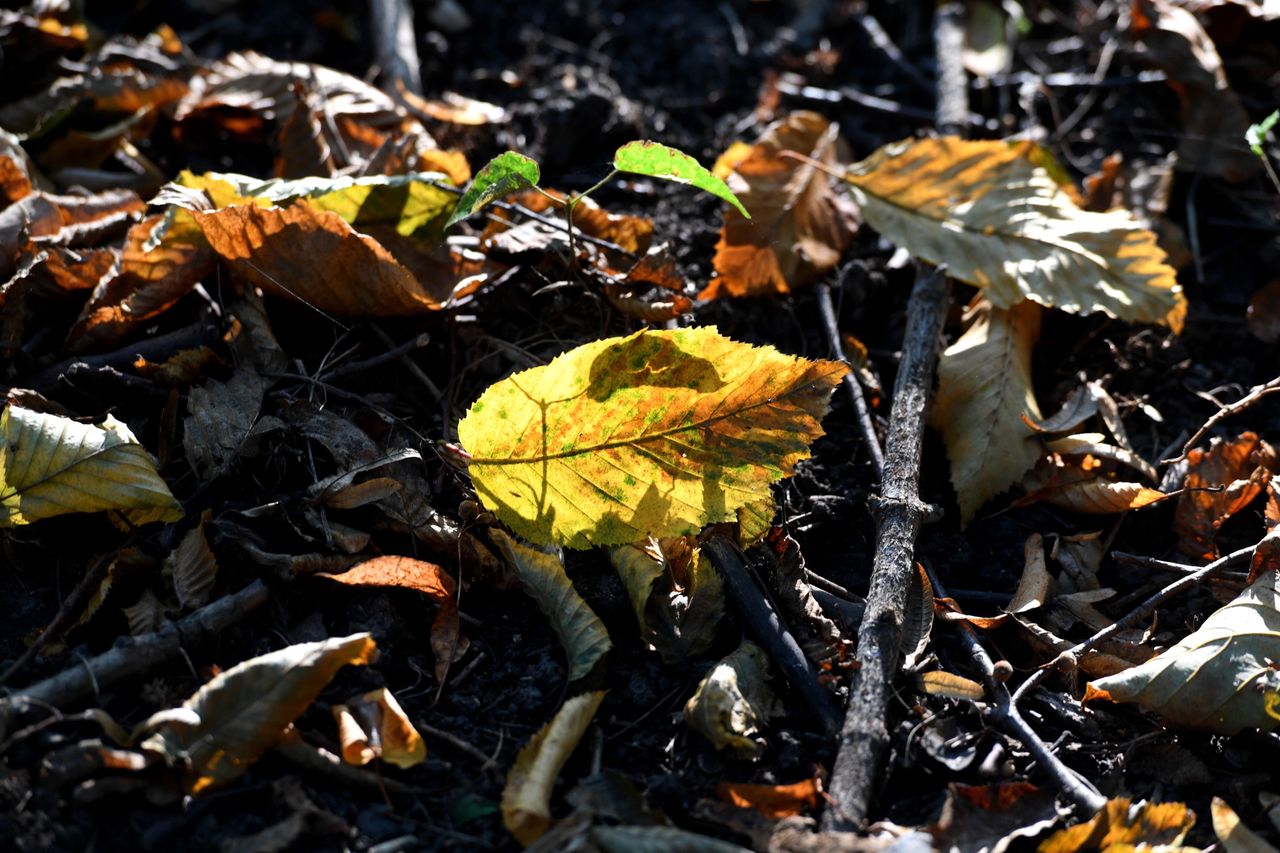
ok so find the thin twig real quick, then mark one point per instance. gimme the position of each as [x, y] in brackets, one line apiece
[1004, 715]
[1255, 394]
[378, 360]
[863, 415]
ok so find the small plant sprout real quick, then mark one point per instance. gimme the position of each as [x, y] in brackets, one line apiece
[1256, 135]
[511, 171]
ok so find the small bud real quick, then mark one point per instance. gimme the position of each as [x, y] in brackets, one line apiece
[468, 510]
[1002, 671]
[484, 519]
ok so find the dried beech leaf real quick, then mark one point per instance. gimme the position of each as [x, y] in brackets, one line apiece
[799, 227]
[996, 216]
[1239, 470]
[375, 726]
[243, 711]
[984, 388]
[948, 684]
[542, 575]
[733, 702]
[1124, 825]
[1218, 676]
[1231, 831]
[773, 801]
[53, 465]
[526, 799]
[193, 567]
[657, 433]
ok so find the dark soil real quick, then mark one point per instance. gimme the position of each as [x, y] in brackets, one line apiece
[578, 79]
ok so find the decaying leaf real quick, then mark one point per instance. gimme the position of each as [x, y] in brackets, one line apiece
[993, 817]
[542, 575]
[374, 725]
[799, 227]
[733, 702]
[426, 578]
[772, 801]
[193, 567]
[1238, 472]
[984, 389]
[229, 722]
[1124, 824]
[1232, 833]
[220, 416]
[994, 213]
[526, 799]
[678, 615]
[1218, 676]
[53, 465]
[819, 637]
[655, 434]
[1076, 485]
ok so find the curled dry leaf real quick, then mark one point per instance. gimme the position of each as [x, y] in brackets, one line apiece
[1231, 831]
[1237, 472]
[426, 578]
[949, 684]
[375, 726]
[678, 616]
[984, 389]
[656, 434]
[798, 228]
[526, 799]
[1123, 824]
[1220, 677]
[53, 465]
[1076, 485]
[995, 214]
[773, 801]
[542, 575]
[733, 702]
[229, 722]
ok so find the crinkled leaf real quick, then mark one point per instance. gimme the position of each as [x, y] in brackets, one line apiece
[375, 726]
[800, 226]
[657, 433]
[733, 702]
[526, 799]
[193, 566]
[997, 217]
[984, 388]
[542, 575]
[229, 722]
[660, 161]
[1216, 678]
[501, 176]
[772, 801]
[53, 465]
[1221, 481]
[1125, 825]
[677, 615]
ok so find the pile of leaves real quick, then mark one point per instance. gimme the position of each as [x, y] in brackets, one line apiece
[355, 457]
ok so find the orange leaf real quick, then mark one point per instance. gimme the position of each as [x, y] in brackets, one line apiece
[799, 227]
[772, 801]
[1145, 825]
[1242, 466]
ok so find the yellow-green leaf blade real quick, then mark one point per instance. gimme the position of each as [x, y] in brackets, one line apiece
[53, 465]
[661, 161]
[657, 433]
[995, 215]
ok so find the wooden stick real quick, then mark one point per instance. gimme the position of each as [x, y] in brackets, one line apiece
[899, 514]
[395, 49]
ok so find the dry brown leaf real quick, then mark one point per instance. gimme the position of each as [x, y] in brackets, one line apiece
[374, 725]
[1078, 484]
[773, 801]
[1240, 470]
[734, 701]
[939, 683]
[984, 388]
[799, 226]
[1123, 824]
[1231, 831]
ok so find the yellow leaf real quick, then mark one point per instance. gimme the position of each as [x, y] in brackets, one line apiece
[229, 722]
[984, 387]
[542, 575]
[657, 433]
[526, 799]
[1124, 825]
[993, 213]
[53, 465]
[799, 226]
[1216, 678]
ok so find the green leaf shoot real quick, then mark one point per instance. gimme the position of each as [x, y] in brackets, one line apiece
[503, 175]
[660, 161]
[1257, 133]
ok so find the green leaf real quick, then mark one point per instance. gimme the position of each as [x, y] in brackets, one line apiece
[659, 161]
[1257, 133]
[503, 175]
[53, 465]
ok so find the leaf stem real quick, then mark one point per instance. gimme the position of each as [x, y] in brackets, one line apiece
[570, 204]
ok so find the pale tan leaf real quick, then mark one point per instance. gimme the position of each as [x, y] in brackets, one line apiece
[951, 685]
[733, 702]
[1231, 831]
[193, 567]
[984, 387]
[526, 798]
[1033, 586]
[996, 216]
[374, 725]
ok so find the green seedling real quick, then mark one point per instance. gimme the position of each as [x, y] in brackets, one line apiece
[1256, 135]
[511, 171]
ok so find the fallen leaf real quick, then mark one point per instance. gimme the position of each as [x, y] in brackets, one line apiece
[733, 702]
[1263, 314]
[228, 723]
[994, 213]
[993, 817]
[799, 228]
[193, 567]
[374, 725]
[1239, 470]
[951, 685]
[526, 798]
[220, 416]
[1075, 485]
[678, 616]
[773, 801]
[542, 575]
[1125, 825]
[53, 465]
[984, 388]
[987, 48]
[657, 433]
[1231, 831]
[1216, 678]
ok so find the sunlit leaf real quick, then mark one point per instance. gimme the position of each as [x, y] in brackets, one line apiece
[229, 722]
[657, 433]
[501, 176]
[996, 216]
[542, 575]
[1216, 677]
[375, 726]
[1257, 134]
[800, 226]
[660, 161]
[772, 801]
[526, 799]
[1125, 825]
[1231, 831]
[733, 702]
[53, 465]
[984, 388]
[949, 684]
